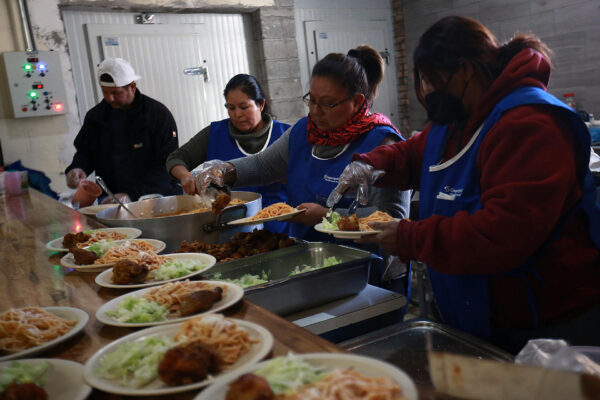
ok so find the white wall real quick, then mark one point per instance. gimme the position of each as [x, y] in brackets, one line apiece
[45, 143]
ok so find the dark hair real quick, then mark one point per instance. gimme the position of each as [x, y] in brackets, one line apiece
[109, 79]
[359, 71]
[250, 86]
[456, 38]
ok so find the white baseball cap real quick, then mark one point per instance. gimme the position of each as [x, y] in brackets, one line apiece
[120, 70]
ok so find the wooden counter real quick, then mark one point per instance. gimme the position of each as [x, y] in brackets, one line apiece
[31, 275]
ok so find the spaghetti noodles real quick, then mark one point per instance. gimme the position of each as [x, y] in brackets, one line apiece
[96, 236]
[274, 210]
[377, 216]
[222, 335]
[233, 202]
[171, 294]
[22, 328]
[139, 251]
[348, 385]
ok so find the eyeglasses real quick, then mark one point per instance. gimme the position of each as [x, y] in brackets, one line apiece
[309, 101]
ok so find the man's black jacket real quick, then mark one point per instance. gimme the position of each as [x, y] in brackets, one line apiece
[151, 135]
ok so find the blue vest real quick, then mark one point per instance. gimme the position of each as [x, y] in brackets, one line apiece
[310, 179]
[464, 299]
[222, 146]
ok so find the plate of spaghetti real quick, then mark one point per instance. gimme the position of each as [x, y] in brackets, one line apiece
[177, 357]
[168, 303]
[165, 268]
[322, 376]
[31, 330]
[104, 254]
[88, 237]
[277, 211]
[352, 227]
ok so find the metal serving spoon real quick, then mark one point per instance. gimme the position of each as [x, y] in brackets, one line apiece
[100, 182]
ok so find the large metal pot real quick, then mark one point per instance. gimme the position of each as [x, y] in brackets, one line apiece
[173, 229]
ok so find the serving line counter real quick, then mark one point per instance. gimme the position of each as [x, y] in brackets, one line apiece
[31, 275]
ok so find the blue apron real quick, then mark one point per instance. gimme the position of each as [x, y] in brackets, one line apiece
[222, 146]
[446, 189]
[311, 180]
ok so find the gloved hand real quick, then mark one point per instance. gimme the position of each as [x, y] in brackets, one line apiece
[75, 176]
[357, 174]
[124, 197]
[212, 171]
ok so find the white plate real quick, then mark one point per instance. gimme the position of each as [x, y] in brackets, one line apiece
[68, 260]
[64, 378]
[257, 352]
[93, 210]
[68, 313]
[132, 233]
[282, 217]
[367, 366]
[344, 234]
[103, 279]
[234, 293]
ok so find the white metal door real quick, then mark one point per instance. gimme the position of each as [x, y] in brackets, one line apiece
[324, 37]
[159, 54]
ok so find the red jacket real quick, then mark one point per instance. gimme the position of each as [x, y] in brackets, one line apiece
[526, 167]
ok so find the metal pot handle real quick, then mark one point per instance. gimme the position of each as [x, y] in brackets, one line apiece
[218, 225]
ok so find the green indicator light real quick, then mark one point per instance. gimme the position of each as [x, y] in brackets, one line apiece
[27, 67]
[32, 94]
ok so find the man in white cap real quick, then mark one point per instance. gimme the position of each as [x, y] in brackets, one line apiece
[126, 138]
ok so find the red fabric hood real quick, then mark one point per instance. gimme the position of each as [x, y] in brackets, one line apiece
[527, 68]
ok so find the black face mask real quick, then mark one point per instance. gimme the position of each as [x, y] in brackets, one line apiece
[444, 108]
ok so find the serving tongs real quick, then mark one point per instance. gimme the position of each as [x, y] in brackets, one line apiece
[351, 209]
[206, 199]
[100, 182]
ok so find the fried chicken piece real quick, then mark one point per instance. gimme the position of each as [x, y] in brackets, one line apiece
[242, 244]
[71, 239]
[250, 387]
[23, 391]
[220, 203]
[83, 257]
[127, 271]
[187, 363]
[199, 301]
[348, 223]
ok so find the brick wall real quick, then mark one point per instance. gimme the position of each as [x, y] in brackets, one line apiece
[402, 69]
[277, 59]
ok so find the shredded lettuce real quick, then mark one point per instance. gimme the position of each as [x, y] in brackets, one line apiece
[331, 222]
[175, 269]
[300, 269]
[245, 280]
[137, 309]
[23, 373]
[135, 364]
[101, 247]
[286, 374]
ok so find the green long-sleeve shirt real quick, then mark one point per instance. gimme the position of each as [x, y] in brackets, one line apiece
[193, 153]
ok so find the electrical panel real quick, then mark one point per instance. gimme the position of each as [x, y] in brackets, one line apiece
[36, 83]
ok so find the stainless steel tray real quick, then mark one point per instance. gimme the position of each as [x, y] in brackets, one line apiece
[405, 345]
[285, 294]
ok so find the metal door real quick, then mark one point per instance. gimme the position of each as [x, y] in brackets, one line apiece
[160, 54]
[324, 37]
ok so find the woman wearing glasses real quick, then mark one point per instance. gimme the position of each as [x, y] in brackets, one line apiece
[249, 130]
[312, 154]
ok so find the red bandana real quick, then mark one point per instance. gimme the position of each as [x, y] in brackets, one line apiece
[360, 123]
